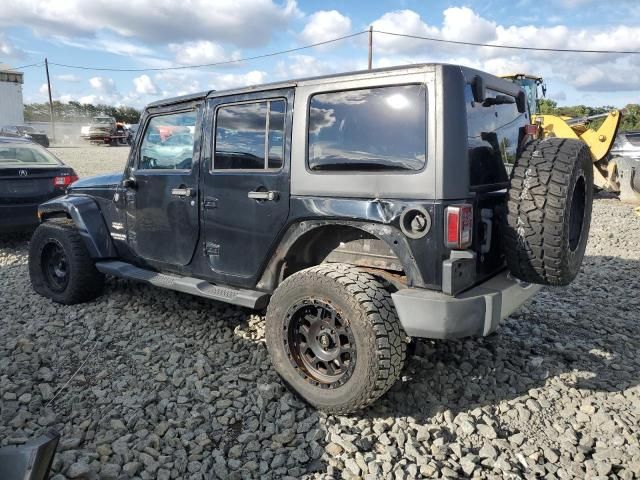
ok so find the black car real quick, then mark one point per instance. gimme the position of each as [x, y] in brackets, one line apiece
[29, 175]
[25, 131]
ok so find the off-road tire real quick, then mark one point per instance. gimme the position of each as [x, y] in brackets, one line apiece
[362, 301]
[84, 282]
[551, 186]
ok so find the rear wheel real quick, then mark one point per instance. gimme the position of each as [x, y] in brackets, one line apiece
[549, 211]
[60, 267]
[334, 337]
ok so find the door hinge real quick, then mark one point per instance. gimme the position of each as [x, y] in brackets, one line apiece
[211, 249]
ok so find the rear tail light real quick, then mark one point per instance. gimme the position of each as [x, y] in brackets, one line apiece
[64, 180]
[458, 226]
[531, 129]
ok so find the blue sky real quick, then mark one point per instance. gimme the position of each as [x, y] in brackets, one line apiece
[162, 33]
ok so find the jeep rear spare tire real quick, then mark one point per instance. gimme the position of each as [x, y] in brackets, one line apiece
[334, 337]
[549, 211]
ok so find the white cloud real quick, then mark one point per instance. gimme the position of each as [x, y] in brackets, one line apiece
[173, 84]
[242, 22]
[104, 90]
[101, 43]
[8, 49]
[68, 77]
[325, 25]
[406, 22]
[300, 66]
[463, 24]
[103, 85]
[235, 80]
[200, 52]
[601, 80]
[575, 3]
[593, 72]
[144, 85]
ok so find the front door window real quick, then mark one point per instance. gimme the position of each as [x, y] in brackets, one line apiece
[168, 142]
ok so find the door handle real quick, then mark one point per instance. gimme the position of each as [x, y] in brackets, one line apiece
[264, 195]
[183, 192]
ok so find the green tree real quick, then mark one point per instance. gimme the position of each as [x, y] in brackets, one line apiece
[78, 112]
[630, 113]
[547, 106]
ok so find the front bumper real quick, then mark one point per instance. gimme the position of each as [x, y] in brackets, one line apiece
[478, 311]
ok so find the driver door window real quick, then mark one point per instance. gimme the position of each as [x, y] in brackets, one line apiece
[168, 142]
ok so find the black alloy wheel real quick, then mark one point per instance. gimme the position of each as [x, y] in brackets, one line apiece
[319, 343]
[55, 265]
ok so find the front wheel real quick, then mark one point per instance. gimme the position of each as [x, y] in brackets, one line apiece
[334, 337]
[60, 267]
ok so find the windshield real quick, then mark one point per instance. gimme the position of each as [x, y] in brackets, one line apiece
[25, 129]
[102, 120]
[12, 154]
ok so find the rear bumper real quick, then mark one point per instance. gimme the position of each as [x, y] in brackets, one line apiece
[18, 216]
[478, 311]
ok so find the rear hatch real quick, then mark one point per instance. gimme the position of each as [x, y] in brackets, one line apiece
[495, 131]
[33, 184]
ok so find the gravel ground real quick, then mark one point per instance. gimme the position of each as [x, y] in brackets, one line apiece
[172, 386]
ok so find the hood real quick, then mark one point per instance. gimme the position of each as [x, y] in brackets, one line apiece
[99, 181]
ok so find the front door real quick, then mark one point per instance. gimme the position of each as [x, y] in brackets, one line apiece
[162, 191]
[246, 184]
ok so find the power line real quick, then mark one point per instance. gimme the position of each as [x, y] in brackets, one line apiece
[511, 47]
[215, 64]
[304, 47]
[39, 64]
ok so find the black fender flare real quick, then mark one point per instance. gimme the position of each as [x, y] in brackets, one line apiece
[392, 236]
[86, 214]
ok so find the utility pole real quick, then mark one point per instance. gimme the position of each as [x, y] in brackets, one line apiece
[370, 46]
[53, 122]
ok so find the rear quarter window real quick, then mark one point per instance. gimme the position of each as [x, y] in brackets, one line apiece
[370, 129]
[493, 139]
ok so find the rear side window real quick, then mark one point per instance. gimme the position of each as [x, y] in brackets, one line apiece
[372, 129]
[493, 138]
[250, 136]
[168, 142]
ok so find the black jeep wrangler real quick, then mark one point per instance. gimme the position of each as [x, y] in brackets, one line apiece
[360, 210]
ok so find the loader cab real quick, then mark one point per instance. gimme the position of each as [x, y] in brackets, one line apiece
[534, 87]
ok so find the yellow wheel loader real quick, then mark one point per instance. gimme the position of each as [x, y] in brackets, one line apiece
[609, 173]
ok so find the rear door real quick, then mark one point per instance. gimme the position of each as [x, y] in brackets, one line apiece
[162, 193]
[246, 183]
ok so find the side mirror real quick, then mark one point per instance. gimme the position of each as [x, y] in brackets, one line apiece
[478, 89]
[129, 183]
[521, 101]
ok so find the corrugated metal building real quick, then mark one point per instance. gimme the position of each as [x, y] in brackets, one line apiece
[11, 105]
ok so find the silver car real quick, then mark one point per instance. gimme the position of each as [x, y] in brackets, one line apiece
[627, 144]
[626, 152]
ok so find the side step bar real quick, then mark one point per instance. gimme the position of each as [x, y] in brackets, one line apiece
[194, 286]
